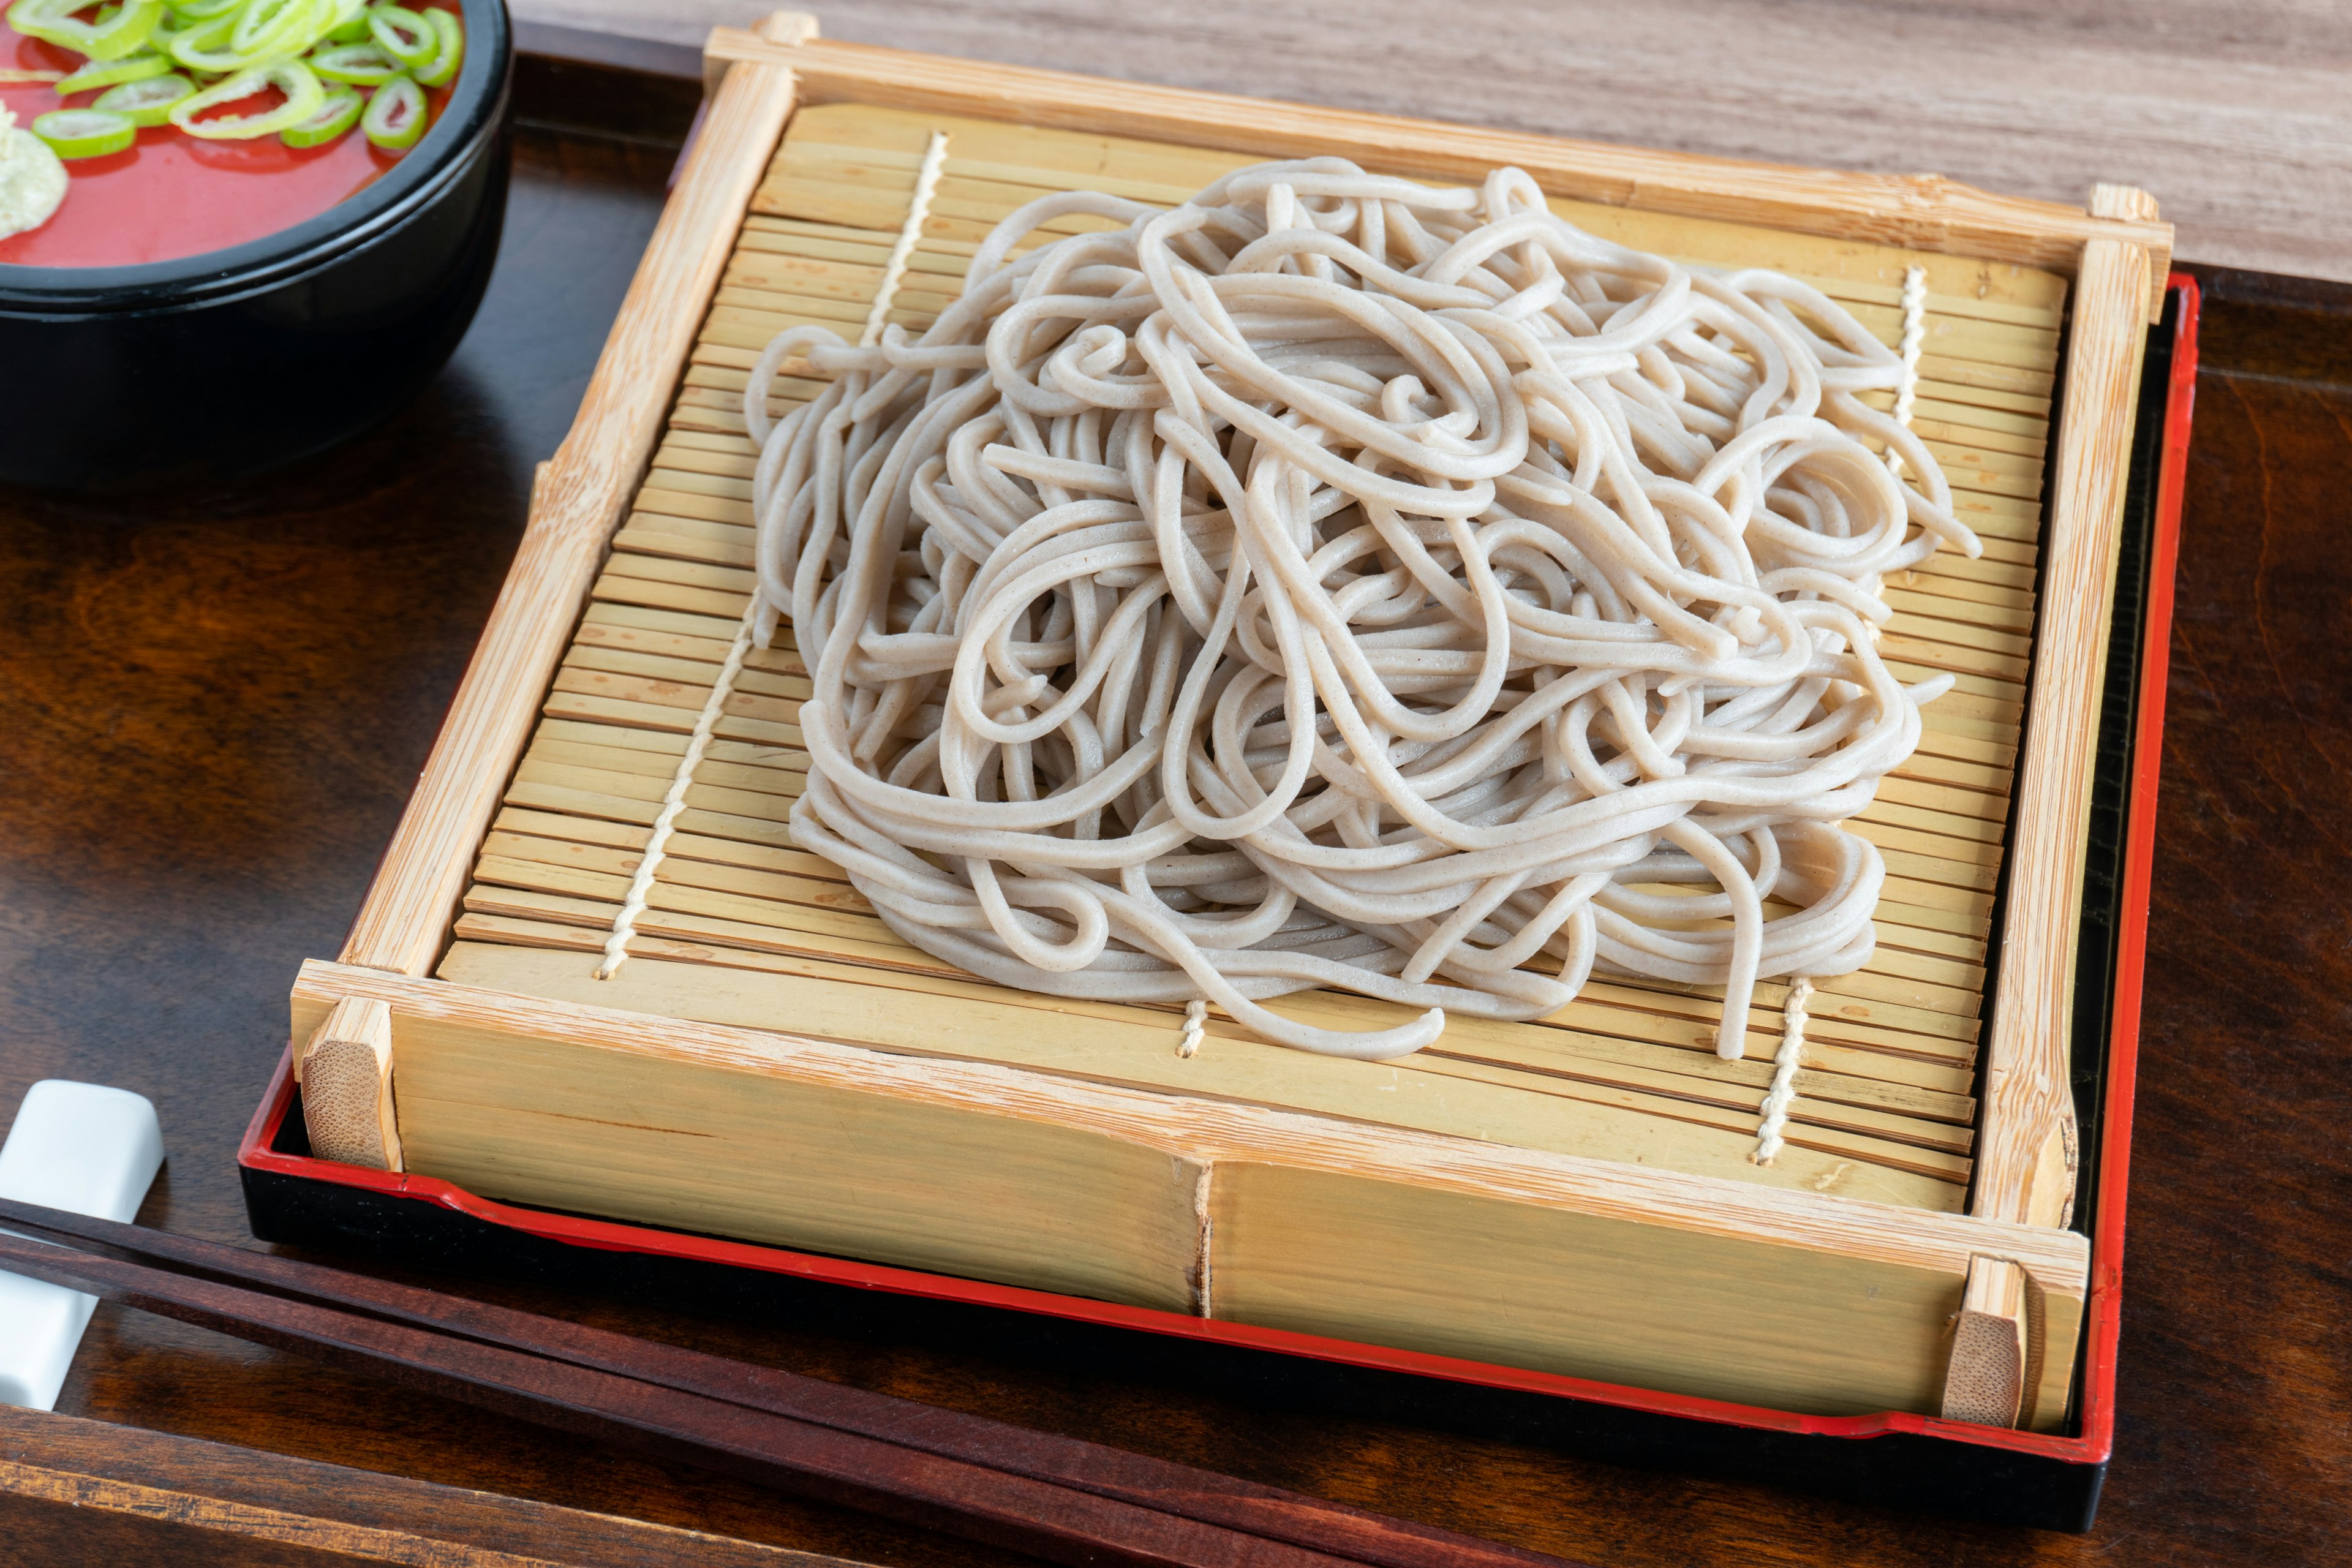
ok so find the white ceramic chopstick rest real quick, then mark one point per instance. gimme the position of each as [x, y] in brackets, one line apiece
[77, 1146]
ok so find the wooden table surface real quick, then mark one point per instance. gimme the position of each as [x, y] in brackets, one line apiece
[211, 711]
[2233, 111]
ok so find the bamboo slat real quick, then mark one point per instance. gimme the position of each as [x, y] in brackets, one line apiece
[2028, 1082]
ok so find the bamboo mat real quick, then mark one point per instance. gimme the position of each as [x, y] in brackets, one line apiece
[742, 927]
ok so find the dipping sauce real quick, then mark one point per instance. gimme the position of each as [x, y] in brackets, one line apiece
[171, 195]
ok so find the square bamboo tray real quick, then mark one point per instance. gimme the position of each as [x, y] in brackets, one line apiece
[1898, 1259]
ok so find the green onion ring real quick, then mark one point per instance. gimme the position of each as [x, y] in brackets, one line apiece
[255, 33]
[351, 23]
[450, 33]
[266, 24]
[126, 32]
[146, 102]
[112, 73]
[122, 32]
[264, 35]
[338, 112]
[85, 132]
[204, 10]
[405, 35]
[395, 115]
[200, 47]
[361, 65]
[49, 21]
[293, 78]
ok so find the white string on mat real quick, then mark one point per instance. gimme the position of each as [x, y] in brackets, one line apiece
[1338, 582]
[1196, 1027]
[1785, 1062]
[911, 233]
[641, 884]
[1915, 337]
[706, 725]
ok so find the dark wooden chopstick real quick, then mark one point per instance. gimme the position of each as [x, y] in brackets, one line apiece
[1057, 1523]
[1058, 1498]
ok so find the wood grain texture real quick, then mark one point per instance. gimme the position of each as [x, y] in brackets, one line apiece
[2233, 113]
[214, 713]
[1047, 1047]
[574, 508]
[74, 1492]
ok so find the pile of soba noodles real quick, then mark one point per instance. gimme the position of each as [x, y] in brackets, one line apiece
[1338, 582]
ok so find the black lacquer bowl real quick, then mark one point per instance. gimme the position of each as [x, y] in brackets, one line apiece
[221, 364]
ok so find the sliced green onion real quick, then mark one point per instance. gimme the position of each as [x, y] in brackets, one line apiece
[395, 115]
[85, 132]
[255, 33]
[116, 34]
[111, 73]
[126, 31]
[263, 23]
[337, 113]
[46, 20]
[204, 46]
[204, 10]
[351, 23]
[405, 35]
[293, 78]
[146, 102]
[326, 15]
[361, 65]
[450, 34]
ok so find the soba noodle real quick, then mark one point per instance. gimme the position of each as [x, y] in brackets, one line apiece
[1338, 582]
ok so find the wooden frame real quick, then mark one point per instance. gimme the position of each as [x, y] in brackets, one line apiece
[2116, 254]
[1923, 212]
[1664, 1260]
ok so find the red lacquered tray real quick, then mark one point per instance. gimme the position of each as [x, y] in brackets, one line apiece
[2048, 1480]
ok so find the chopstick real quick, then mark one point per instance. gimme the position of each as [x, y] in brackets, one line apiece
[1057, 1497]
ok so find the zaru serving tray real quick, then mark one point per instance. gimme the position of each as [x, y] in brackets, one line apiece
[1652, 1308]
